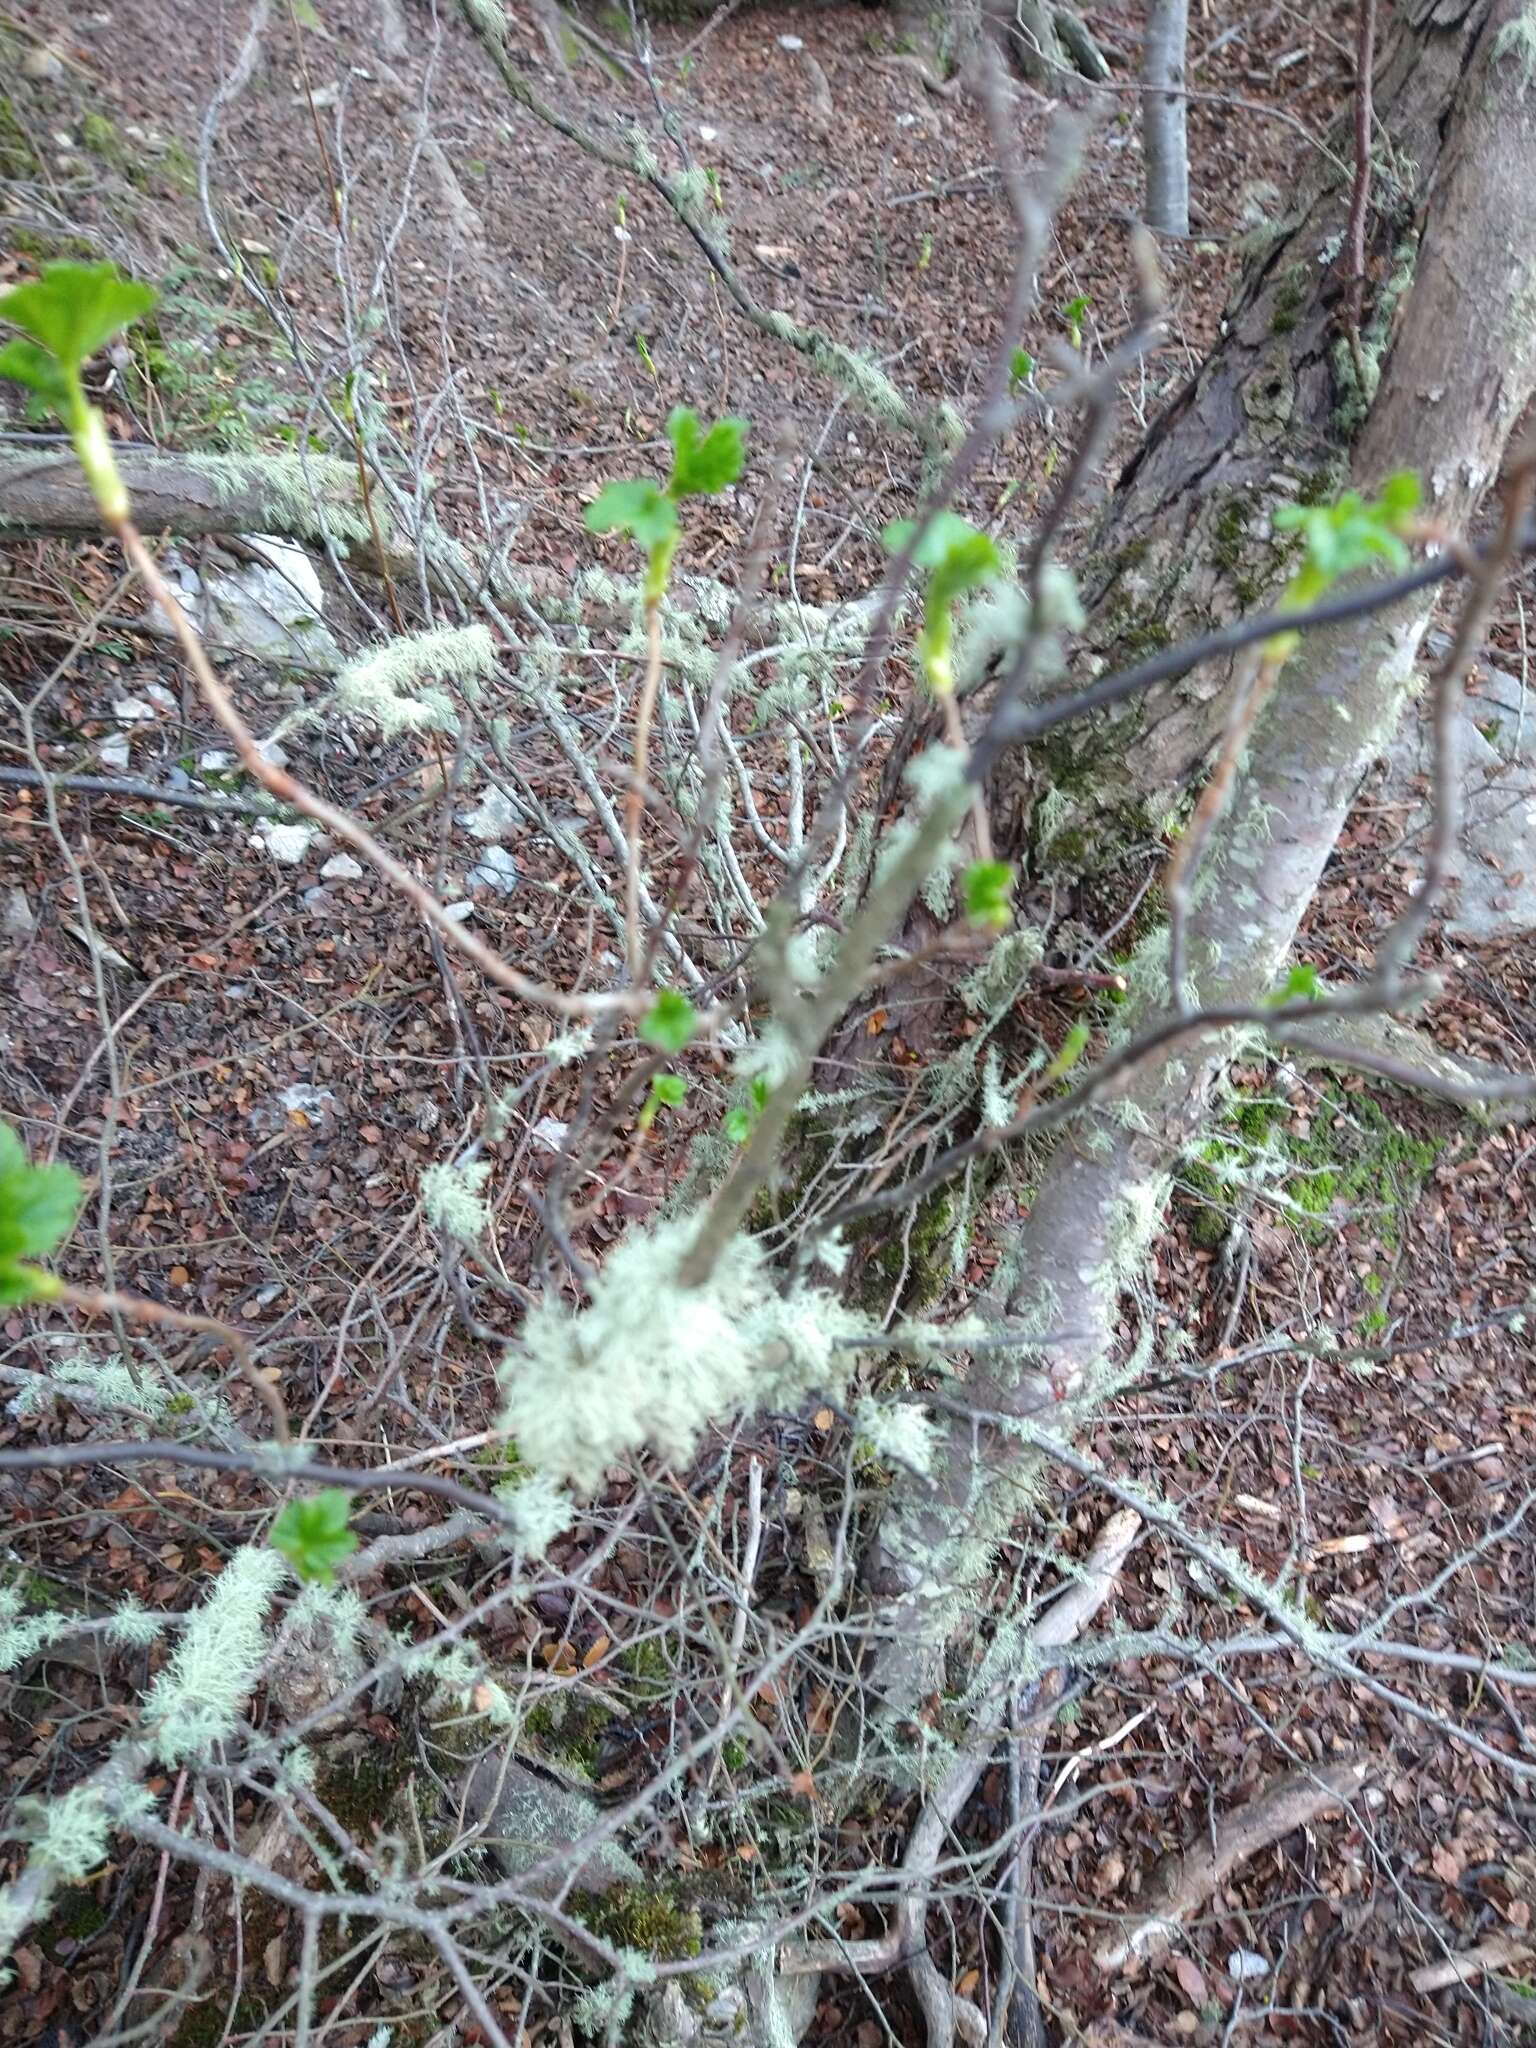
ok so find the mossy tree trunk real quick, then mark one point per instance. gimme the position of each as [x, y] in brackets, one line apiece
[1456, 377]
[1272, 415]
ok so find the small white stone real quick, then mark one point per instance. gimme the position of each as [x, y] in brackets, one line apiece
[549, 1134]
[273, 753]
[341, 867]
[131, 710]
[790, 43]
[113, 753]
[1244, 1967]
[492, 817]
[495, 869]
[160, 696]
[706, 133]
[215, 760]
[458, 913]
[286, 843]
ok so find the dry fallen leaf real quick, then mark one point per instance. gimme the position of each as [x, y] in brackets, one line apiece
[1191, 1979]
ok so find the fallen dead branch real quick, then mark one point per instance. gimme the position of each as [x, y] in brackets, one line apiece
[1498, 1952]
[1190, 1878]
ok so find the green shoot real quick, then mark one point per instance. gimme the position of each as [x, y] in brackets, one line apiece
[958, 560]
[667, 1091]
[314, 1535]
[38, 1207]
[1301, 985]
[1342, 538]
[743, 1120]
[1020, 369]
[987, 889]
[703, 465]
[73, 310]
[1073, 1046]
[670, 1022]
[1073, 314]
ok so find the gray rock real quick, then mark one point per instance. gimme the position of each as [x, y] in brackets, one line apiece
[531, 1819]
[16, 916]
[270, 609]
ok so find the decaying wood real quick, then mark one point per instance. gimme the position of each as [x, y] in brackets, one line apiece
[1190, 1878]
[1498, 1952]
[42, 491]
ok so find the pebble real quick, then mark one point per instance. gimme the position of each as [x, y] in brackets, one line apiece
[1244, 1967]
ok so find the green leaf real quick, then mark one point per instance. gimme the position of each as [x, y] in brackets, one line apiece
[1073, 1046]
[1020, 369]
[1400, 497]
[670, 1089]
[306, 16]
[1348, 535]
[639, 508]
[670, 1022]
[968, 564]
[313, 1534]
[944, 531]
[38, 1207]
[704, 467]
[74, 308]
[23, 362]
[1301, 985]
[987, 890]
[742, 1121]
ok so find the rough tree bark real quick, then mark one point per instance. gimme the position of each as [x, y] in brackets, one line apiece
[1184, 543]
[1165, 146]
[1444, 407]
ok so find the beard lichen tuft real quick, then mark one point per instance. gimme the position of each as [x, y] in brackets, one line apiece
[651, 1362]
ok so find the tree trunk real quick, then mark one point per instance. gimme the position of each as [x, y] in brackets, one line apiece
[1164, 140]
[1185, 543]
[1447, 411]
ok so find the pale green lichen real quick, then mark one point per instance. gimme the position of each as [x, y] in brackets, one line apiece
[540, 1510]
[899, 1433]
[23, 1635]
[1515, 44]
[452, 1193]
[73, 1829]
[459, 1679]
[103, 1385]
[487, 16]
[651, 1361]
[305, 496]
[377, 686]
[133, 1627]
[999, 980]
[198, 1698]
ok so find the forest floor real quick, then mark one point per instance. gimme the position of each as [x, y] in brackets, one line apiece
[252, 1064]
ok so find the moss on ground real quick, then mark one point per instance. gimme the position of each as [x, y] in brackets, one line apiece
[568, 1728]
[1354, 1158]
[656, 1919]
